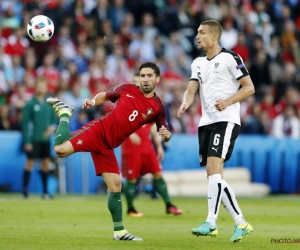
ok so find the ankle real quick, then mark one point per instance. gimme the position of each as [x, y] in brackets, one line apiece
[120, 231]
[131, 209]
[212, 221]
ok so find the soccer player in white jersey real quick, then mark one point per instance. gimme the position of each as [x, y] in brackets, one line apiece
[218, 75]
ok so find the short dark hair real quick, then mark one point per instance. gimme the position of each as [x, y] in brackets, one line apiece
[214, 26]
[151, 65]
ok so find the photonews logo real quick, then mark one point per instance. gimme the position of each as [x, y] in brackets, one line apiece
[285, 241]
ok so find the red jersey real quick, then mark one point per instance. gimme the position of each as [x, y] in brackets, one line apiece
[132, 110]
[146, 143]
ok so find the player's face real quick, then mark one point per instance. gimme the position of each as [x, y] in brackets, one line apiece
[204, 37]
[148, 80]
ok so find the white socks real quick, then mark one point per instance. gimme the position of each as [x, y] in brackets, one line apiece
[214, 195]
[219, 190]
[230, 203]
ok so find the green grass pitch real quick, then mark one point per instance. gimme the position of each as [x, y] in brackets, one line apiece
[84, 222]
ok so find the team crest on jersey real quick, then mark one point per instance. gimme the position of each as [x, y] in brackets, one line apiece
[149, 111]
[79, 142]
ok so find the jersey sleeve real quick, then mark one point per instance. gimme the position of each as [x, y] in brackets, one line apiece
[194, 75]
[161, 118]
[237, 67]
[114, 94]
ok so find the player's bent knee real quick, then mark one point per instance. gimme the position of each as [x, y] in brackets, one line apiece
[133, 180]
[114, 187]
[59, 150]
[112, 181]
[157, 175]
[64, 149]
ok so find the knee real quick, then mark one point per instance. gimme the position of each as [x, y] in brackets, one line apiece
[60, 151]
[157, 176]
[45, 167]
[115, 186]
[29, 164]
[210, 169]
[133, 180]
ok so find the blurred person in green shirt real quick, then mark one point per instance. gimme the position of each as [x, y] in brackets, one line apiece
[38, 124]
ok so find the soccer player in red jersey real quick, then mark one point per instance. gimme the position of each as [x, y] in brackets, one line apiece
[134, 108]
[139, 158]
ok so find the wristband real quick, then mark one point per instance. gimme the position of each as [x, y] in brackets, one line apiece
[94, 102]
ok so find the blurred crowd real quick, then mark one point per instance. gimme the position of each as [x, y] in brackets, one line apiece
[98, 44]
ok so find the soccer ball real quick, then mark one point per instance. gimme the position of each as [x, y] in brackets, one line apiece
[40, 28]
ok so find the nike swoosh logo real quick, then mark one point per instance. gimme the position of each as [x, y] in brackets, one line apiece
[212, 229]
[58, 135]
[245, 227]
[130, 96]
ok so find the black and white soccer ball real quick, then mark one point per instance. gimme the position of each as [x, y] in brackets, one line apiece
[40, 28]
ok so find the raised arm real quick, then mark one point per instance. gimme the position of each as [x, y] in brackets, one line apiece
[97, 100]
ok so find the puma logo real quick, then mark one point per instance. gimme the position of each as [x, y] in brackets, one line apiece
[216, 149]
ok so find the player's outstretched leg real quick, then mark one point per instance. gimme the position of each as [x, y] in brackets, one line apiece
[64, 112]
[205, 229]
[60, 107]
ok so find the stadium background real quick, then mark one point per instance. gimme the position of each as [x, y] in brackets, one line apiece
[100, 44]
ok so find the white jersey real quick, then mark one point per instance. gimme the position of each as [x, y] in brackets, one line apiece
[218, 79]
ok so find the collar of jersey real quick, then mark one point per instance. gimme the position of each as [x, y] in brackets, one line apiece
[222, 50]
